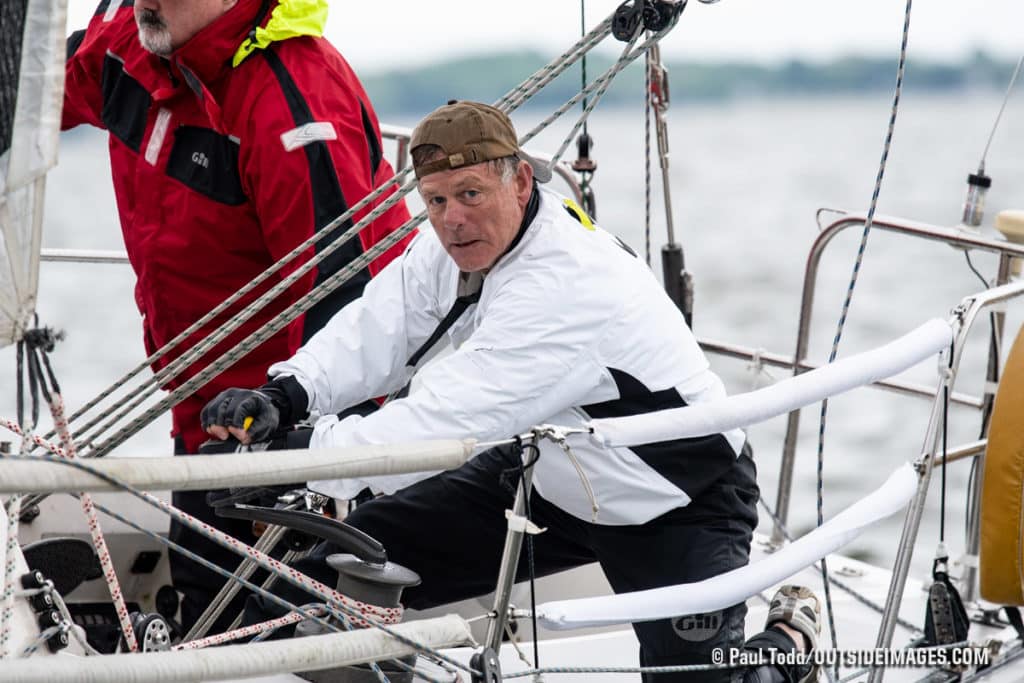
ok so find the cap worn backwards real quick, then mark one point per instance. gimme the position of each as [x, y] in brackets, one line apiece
[470, 133]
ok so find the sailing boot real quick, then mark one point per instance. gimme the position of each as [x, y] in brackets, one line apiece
[798, 608]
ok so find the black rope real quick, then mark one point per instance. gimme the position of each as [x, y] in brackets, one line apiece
[520, 449]
[33, 366]
[945, 436]
[20, 389]
[970, 264]
[583, 59]
[993, 375]
[33, 384]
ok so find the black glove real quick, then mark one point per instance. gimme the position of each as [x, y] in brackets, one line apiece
[283, 440]
[231, 407]
[281, 402]
[254, 495]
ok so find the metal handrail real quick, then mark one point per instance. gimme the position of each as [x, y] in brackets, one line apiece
[951, 236]
[962, 322]
[83, 255]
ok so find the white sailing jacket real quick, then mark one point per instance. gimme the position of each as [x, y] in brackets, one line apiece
[570, 325]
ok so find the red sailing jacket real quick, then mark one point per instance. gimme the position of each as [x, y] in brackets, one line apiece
[219, 171]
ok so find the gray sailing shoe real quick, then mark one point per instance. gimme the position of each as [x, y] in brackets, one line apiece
[798, 607]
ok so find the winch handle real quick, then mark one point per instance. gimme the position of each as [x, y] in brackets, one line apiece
[345, 536]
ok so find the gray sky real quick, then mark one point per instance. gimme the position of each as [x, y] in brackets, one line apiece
[379, 34]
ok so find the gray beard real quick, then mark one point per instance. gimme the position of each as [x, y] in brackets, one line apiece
[155, 37]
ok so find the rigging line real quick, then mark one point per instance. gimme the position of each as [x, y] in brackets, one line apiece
[529, 546]
[207, 343]
[178, 394]
[220, 602]
[849, 297]
[605, 81]
[290, 256]
[583, 61]
[1006, 97]
[287, 558]
[338, 610]
[526, 90]
[19, 390]
[249, 343]
[555, 67]
[945, 438]
[598, 87]
[197, 351]
[598, 83]
[647, 157]
[9, 572]
[357, 609]
[281, 602]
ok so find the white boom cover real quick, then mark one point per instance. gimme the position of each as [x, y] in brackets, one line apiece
[738, 585]
[32, 151]
[312, 653]
[198, 472]
[746, 409]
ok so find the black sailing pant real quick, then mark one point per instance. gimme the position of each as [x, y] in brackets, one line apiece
[450, 529]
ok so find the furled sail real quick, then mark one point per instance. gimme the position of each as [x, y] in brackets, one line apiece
[32, 55]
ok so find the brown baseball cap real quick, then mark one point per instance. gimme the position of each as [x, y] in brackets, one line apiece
[470, 133]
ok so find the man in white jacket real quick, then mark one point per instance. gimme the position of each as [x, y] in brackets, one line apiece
[552, 320]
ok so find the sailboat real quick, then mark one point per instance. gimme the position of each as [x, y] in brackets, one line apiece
[880, 611]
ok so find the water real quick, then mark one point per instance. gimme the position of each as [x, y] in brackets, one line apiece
[747, 178]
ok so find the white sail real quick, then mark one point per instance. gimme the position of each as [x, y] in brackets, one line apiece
[32, 55]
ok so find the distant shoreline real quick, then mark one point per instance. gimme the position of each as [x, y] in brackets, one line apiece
[487, 77]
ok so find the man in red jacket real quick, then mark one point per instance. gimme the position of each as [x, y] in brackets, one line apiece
[236, 131]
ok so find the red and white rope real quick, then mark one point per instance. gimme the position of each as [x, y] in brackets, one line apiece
[384, 615]
[245, 631]
[95, 531]
[7, 602]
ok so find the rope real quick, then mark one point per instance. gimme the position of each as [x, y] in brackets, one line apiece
[361, 614]
[689, 667]
[251, 630]
[532, 85]
[604, 82]
[849, 297]
[6, 615]
[229, 590]
[96, 531]
[287, 558]
[48, 633]
[1006, 97]
[525, 90]
[647, 158]
[310, 614]
[681, 668]
[346, 614]
[385, 614]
